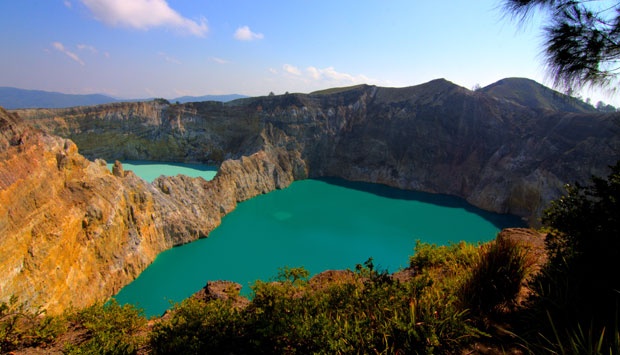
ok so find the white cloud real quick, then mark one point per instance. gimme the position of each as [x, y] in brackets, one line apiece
[330, 74]
[245, 34]
[61, 48]
[290, 77]
[219, 60]
[143, 15]
[168, 58]
[87, 47]
[291, 69]
[314, 73]
[324, 76]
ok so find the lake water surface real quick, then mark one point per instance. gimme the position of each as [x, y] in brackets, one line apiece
[150, 171]
[317, 224]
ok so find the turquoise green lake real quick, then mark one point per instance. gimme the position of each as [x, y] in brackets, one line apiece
[150, 171]
[318, 224]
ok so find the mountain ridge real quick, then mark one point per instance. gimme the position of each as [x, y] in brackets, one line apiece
[523, 91]
[12, 98]
[219, 98]
[15, 98]
[529, 93]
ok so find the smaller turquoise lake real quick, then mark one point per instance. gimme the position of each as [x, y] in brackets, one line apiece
[150, 171]
[318, 224]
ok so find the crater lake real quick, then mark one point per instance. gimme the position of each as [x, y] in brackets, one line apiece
[318, 224]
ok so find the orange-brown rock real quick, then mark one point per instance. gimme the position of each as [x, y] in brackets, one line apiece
[222, 290]
[72, 232]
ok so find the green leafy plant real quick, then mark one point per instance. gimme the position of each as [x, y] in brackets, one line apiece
[365, 312]
[577, 293]
[453, 256]
[495, 280]
[198, 327]
[110, 329]
[21, 327]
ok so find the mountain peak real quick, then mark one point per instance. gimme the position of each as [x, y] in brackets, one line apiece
[337, 90]
[529, 93]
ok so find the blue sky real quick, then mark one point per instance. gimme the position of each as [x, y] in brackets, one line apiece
[170, 48]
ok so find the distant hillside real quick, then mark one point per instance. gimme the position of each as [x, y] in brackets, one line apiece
[14, 98]
[522, 91]
[221, 98]
[528, 93]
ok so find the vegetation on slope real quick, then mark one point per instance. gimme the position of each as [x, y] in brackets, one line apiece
[578, 291]
[451, 298]
[365, 311]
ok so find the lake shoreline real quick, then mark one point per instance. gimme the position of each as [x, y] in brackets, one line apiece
[339, 224]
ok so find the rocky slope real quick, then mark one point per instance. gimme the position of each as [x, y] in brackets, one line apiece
[530, 94]
[69, 227]
[507, 148]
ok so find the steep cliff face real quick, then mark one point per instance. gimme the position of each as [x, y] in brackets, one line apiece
[71, 232]
[201, 132]
[442, 138]
[507, 148]
[67, 226]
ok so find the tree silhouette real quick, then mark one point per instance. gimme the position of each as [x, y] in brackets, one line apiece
[581, 283]
[582, 39]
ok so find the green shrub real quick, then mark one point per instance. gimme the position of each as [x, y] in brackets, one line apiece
[576, 295]
[20, 327]
[370, 313]
[584, 247]
[495, 280]
[453, 257]
[198, 327]
[110, 328]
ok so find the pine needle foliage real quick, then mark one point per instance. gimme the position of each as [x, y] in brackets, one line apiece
[582, 40]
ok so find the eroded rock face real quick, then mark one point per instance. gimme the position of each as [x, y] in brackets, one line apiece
[67, 226]
[202, 132]
[72, 232]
